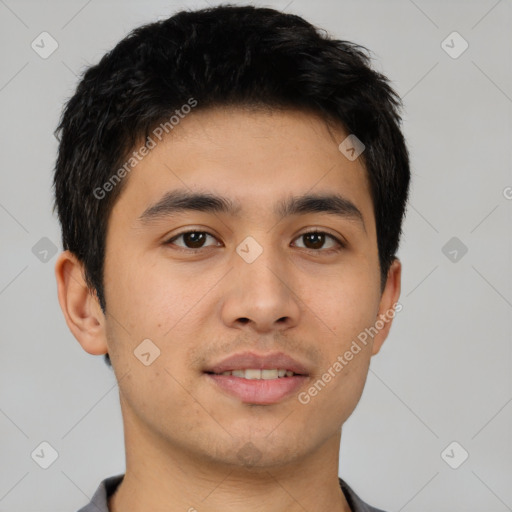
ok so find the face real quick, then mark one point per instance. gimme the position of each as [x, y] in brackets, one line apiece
[205, 283]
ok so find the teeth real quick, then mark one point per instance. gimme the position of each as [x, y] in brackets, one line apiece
[252, 374]
[269, 374]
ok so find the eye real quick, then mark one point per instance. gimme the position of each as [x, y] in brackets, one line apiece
[192, 239]
[316, 239]
[195, 240]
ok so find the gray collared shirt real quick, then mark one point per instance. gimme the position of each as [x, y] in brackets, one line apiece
[108, 486]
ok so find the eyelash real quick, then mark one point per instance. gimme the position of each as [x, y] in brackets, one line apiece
[313, 231]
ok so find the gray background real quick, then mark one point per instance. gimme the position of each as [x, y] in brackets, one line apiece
[443, 375]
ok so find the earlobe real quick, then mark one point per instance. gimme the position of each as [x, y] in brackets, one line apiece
[79, 305]
[389, 298]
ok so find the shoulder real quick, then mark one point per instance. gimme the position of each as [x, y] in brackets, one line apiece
[355, 502]
[106, 488]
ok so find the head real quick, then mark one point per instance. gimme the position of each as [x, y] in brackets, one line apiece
[250, 105]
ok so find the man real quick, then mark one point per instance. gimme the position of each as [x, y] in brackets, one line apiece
[231, 186]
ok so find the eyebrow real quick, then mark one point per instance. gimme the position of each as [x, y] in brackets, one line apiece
[180, 200]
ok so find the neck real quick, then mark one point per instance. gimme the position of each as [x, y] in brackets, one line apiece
[164, 476]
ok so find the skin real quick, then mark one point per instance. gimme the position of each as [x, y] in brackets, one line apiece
[182, 435]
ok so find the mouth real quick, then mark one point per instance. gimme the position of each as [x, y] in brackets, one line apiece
[258, 379]
[257, 374]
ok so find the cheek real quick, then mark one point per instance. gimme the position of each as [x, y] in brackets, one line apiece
[335, 391]
[144, 294]
[348, 309]
[343, 304]
[167, 309]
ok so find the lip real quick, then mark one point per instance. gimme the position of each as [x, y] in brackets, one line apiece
[259, 392]
[247, 360]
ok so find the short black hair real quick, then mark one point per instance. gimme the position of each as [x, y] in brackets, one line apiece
[228, 55]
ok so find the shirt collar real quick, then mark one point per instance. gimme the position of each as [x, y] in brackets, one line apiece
[109, 485]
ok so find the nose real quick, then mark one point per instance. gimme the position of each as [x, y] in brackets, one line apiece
[260, 294]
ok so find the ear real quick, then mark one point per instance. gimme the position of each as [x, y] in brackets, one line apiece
[387, 308]
[80, 305]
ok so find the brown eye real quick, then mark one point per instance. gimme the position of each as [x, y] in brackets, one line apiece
[315, 240]
[191, 239]
[194, 239]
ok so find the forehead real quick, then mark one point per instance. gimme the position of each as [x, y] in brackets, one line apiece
[255, 159]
